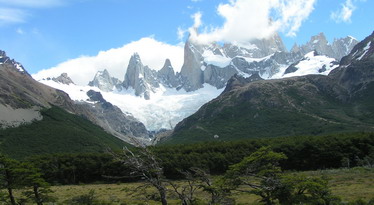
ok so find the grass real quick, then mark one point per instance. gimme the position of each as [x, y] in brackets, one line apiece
[348, 184]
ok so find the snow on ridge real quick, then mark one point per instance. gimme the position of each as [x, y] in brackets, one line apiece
[312, 64]
[366, 49]
[216, 60]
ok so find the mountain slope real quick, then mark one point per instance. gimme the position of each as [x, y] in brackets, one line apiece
[58, 132]
[307, 105]
[36, 119]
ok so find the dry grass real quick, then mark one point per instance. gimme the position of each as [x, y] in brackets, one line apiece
[348, 184]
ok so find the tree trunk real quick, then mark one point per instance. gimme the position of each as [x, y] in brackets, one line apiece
[162, 192]
[11, 197]
[38, 200]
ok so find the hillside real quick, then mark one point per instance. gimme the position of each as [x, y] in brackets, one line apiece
[58, 132]
[307, 105]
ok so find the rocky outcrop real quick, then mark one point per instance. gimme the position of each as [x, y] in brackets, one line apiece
[141, 78]
[338, 49]
[167, 75]
[64, 79]
[124, 126]
[105, 82]
[191, 73]
[258, 48]
[356, 71]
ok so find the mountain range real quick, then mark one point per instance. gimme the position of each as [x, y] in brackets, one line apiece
[169, 96]
[147, 102]
[304, 105]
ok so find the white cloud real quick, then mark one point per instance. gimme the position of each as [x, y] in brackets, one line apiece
[180, 33]
[197, 19]
[344, 14]
[32, 3]
[250, 19]
[9, 15]
[83, 69]
[17, 11]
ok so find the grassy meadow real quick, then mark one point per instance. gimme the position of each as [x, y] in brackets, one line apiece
[348, 184]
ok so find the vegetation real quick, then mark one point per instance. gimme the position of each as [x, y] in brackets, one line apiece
[310, 105]
[58, 132]
[264, 170]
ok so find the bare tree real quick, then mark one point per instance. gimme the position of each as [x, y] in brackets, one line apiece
[186, 191]
[144, 164]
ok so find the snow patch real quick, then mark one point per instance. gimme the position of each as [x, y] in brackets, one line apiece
[312, 65]
[19, 67]
[216, 60]
[366, 49]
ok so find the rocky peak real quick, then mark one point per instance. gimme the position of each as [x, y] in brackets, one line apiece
[167, 75]
[64, 79]
[343, 46]
[141, 78]
[355, 71]
[361, 51]
[191, 70]
[338, 49]
[104, 81]
[257, 48]
[4, 59]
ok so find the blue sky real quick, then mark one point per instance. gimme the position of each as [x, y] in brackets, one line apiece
[44, 33]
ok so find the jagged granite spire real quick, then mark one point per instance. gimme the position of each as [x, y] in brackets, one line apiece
[191, 72]
[167, 75]
[141, 78]
[104, 81]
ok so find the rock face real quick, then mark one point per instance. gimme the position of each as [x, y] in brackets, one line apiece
[141, 78]
[125, 126]
[338, 49]
[64, 79]
[256, 48]
[306, 105]
[167, 76]
[191, 72]
[104, 81]
[215, 64]
[19, 91]
[356, 71]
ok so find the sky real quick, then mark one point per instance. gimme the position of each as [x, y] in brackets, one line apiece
[84, 36]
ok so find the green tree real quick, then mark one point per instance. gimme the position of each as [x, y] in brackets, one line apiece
[11, 176]
[261, 172]
[301, 189]
[40, 188]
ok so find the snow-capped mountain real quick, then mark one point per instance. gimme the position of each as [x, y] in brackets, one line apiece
[160, 99]
[311, 63]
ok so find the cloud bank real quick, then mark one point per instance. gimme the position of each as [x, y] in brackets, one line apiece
[83, 69]
[246, 20]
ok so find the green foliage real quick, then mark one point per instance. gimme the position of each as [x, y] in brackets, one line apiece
[302, 189]
[310, 106]
[261, 172]
[58, 132]
[81, 168]
[303, 153]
